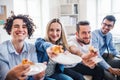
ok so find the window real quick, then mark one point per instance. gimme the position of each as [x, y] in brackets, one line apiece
[106, 7]
[32, 8]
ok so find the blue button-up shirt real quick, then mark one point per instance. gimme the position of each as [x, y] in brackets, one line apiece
[10, 58]
[98, 43]
[41, 46]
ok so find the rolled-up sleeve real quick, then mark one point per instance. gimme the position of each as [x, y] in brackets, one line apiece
[41, 44]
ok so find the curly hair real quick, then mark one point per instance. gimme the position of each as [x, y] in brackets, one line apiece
[26, 19]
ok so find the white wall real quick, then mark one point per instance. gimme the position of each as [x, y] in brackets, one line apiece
[91, 13]
[3, 35]
[54, 8]
[45, 14]
[9, 5]
[82, 9]
[20, 6]
[50, 10]
[41, 11]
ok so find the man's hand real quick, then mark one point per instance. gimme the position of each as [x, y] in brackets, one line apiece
[39, 76]
[114, 71]
[18, 72]
[89, 55]
[88, 59]
[89, 62]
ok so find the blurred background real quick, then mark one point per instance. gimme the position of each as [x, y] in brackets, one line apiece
[68, 11]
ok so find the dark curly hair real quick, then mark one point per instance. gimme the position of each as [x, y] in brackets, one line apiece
[26, 19]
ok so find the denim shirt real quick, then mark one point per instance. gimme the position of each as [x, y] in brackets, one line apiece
[41, 46]
[98, 43]
[10, 58]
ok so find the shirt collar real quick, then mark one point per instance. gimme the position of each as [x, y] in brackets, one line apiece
[100, 31]
[12, 49]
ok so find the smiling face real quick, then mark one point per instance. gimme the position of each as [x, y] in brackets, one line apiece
[54, 32]
[107, 26]
[19, 30]
[84, 34]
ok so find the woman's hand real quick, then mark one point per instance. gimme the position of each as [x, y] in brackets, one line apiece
[39, 76]
[18, 72]
[54, 50]
[50, 52]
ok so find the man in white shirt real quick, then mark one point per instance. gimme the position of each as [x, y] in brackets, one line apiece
[82, 41]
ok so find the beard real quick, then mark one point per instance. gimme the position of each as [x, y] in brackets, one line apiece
[86, 43]
[83, 42]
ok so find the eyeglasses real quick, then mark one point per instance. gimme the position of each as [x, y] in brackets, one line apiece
[108, 25]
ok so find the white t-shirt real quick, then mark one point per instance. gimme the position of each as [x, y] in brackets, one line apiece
[84, 49]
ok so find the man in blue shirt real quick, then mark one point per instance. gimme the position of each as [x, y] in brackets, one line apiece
[13, 51]
[102, 40]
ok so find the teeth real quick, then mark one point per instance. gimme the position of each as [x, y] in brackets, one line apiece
[20, 33]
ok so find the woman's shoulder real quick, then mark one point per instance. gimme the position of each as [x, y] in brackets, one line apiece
[40, 39]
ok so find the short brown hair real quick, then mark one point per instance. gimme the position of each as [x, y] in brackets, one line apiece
[81, 23]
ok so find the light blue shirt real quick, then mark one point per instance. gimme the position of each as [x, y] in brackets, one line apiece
[10, 58]
[98, 43]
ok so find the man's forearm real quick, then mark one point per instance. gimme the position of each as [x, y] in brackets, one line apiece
[75, 50]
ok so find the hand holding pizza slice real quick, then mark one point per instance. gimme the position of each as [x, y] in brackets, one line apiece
[26, 61]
